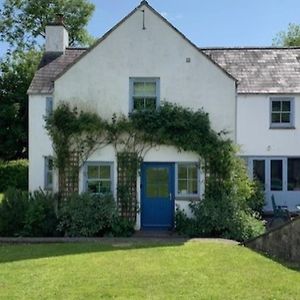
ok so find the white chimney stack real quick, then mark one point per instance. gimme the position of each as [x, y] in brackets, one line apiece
[57, 37]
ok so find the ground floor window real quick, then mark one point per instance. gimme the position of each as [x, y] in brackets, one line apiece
[48, 185]
[276, 173]
[187, 179]
[99, 177]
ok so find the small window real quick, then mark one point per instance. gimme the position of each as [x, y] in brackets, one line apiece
[49, 106]
[99, 178]
[187, 179]
[282, 112]
[293, 174]
[48, 173]
[144, 93]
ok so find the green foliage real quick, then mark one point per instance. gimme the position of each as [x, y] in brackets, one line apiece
[12, 212]
[16, 73]
[231, 199]
[14, 174]
[71, 130]
[122, 227]
[23, 214]
[288, 38]
[40, 217]
[86, 215]
[23, 22]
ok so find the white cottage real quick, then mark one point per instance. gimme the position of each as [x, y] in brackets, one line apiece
[145, 55]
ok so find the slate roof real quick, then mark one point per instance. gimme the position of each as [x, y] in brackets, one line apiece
[261, 70]
[258, 70]
[51, 65]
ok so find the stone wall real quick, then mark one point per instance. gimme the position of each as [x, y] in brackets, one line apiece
[282, 242]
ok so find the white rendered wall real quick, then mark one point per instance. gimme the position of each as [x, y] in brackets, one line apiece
[100, 80]
[253, 128]
[39, 142]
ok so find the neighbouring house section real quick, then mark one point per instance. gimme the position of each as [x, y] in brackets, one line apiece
[268, 117]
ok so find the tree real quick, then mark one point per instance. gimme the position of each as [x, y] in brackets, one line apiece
[288, 38]
[22, 22]
[16, 73]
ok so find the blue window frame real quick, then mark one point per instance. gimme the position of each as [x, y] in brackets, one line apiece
[99, 177]
[49, 106]
[282, 112]
[48, 176]
[144, 93]
[187, 180]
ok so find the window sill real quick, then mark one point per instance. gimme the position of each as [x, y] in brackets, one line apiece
[282, 127]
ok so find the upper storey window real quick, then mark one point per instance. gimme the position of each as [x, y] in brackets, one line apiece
[144, 93]
[282, 112]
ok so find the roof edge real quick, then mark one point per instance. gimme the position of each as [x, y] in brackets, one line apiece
[249, 48]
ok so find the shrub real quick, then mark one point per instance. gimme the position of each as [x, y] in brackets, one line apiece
[87, 215]
[23, 214]
[12, 212]
[14, 174]
[122, 227]
[229, 208]
[40, 216]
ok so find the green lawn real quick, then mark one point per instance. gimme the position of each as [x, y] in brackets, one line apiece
[187, 271]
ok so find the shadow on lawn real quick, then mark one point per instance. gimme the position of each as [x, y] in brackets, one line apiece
[18, 252]
[290, 265]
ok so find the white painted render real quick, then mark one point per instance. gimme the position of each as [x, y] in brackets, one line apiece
[253, 128]
[57, 38]
[100, 80]
[39, 142]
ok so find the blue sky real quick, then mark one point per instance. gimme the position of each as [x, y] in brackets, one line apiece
[208, 23]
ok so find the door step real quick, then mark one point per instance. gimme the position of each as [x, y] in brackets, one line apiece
[156, 234]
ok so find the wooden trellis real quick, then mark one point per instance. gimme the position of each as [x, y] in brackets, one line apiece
[127, 185]
[69, 177]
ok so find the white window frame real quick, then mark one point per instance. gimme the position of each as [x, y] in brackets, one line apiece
[47, 186]
[181, 196]
[98, 163]
[291, 124]
[133, 80]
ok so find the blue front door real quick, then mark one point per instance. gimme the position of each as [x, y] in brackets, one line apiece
[157, 196]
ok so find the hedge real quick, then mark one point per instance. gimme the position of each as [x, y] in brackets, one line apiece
[14, 174]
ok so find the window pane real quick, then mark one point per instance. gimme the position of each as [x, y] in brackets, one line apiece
[182, 172]
[138, 89]
[157, 184]
[276, 106]
[105, 187]
[93, 172]
[192, 187]
[182, 187]
[285, 118]
[150, 89]
[259, 171]
[105, 172]
[294, 174]
[192, 172]
[286, 106]
[93, 187]
[150, 103]
[276, 175]
[275, 117]
[138, 104]
[49, 179]
[50, 164]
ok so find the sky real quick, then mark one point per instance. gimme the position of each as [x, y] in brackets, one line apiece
[207, 23]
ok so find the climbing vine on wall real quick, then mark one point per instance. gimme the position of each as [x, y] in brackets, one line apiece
[227, 188]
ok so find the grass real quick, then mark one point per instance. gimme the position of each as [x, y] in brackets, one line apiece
[124, 271]
[1, 197]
